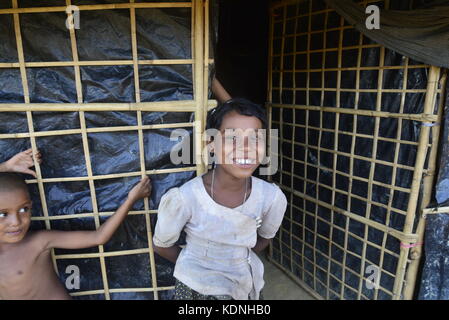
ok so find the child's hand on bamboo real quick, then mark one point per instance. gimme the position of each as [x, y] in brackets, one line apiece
[140, 190]
[21, 163]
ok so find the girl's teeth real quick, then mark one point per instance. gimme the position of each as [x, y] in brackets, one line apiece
[244, 161]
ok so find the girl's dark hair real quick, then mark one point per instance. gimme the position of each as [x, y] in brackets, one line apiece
[241, 106]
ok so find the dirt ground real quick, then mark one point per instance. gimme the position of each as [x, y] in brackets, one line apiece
[278, 286]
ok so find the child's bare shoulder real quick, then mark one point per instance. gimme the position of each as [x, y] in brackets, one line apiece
[37, 239]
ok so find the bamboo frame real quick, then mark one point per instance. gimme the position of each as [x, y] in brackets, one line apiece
[301, 261]
[199, 106]
[428, 181]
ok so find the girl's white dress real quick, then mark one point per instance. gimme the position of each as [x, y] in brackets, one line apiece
[218, 259]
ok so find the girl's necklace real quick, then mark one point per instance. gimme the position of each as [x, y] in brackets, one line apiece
[212, 187]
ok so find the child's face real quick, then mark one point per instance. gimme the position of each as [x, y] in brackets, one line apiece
[242, 144]
[15, 215]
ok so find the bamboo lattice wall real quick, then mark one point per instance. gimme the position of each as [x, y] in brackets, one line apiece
[358, 128]
[198, 106]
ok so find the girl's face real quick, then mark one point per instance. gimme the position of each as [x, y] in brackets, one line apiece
[241, 145]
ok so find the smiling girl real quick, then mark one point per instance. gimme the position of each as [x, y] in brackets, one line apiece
[227, 214]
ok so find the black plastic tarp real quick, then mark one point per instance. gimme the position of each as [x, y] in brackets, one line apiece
[103, 35]
[421, 33]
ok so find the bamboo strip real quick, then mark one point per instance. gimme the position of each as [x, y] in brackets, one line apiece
[352, 133]
[95, 130]
[424, 117]
[335, 158]
[324, 50]
[270, 62]
[142, 149]
[428, 182]
[435, 211]
[198, 75]
[170, 106]
[393, 178]
[97, 63]
[281, 119]
[206, 58]
[292, 167]
[94, 200]
[338, 104]
[85, 140]
[410, 237]
[309, 40]
[394, 254]
[429, 105]
[79, 88]
[343, 192]
[113, 176]
[355, 69]
[386, 163]
[99, 7]
[282, 3]
[374, 150]
[102, 254]
[317, 188]
[350, 90]
[87, 215]
[270, 98]
[105, 254]
[124, 290]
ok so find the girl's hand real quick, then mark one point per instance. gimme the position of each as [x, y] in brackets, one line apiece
[140, 190]
[22, 162]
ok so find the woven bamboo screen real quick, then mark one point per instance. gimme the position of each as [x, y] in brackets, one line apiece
[358, 128]
[147, 281]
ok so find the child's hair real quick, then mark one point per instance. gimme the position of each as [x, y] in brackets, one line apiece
[12, 182]
[241, 106]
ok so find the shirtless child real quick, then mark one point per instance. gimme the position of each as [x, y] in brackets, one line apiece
[26, 271]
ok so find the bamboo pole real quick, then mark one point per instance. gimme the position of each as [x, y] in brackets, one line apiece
[172, 106]
[429, 105]
[198, 75]
[142, 149]
[206, 59]
[435, 211]
[86, 150]
[96, 63]
[17, 10]
[428, 181]
[424, 117]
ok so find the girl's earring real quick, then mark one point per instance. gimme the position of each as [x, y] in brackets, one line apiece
[214, 164]
[212, 157]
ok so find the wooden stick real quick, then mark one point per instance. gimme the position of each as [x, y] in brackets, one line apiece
[198, 75]
[142, 149]
[429, 105]
[424, 117]
[428, 182]
[171, 106]
[99, 7]
[96, 63]
[435, 210]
